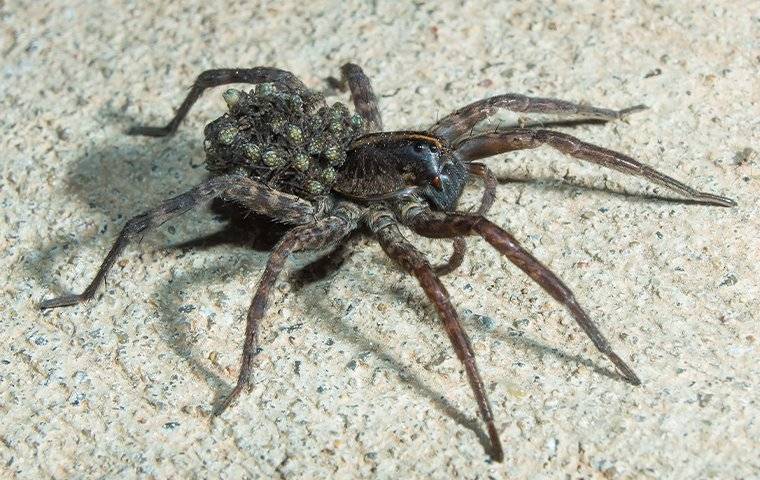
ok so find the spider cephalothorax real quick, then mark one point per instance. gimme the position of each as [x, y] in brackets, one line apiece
[388, 165]
[282, 152]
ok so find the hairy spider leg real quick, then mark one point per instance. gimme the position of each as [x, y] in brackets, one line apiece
[459, 249]
[324, 233]
[489, 184]
[494, 143]
[250, 193]
[326, 264]
[459, 243]
[365, 101]
[215, 78]
[410, 259]
[442, 225]
[453, 126]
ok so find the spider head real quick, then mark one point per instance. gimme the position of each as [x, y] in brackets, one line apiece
[438, 173]
[395, 164]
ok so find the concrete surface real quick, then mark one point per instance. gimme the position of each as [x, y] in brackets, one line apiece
[356, 378]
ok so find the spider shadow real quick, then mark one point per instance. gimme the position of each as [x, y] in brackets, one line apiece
[253, 232]
[512, 336]
[563, 185]
[351, 334]
[111, 183]
[517, 339]
[310, 275]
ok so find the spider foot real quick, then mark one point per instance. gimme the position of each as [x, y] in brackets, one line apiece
[62, 301]
[627, 372]
[712, 199]
[228, 401]
[497, 452]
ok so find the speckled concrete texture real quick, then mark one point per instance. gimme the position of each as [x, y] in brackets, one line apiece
[356, 377]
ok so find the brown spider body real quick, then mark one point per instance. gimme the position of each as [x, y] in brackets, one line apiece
[291, 141]
[282, 152]
[388, 165]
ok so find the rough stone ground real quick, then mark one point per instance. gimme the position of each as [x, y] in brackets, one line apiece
[356, 378]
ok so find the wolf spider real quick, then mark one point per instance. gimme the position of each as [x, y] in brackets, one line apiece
[282, 152]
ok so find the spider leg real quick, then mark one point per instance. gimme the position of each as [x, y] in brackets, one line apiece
[252, 194]
[325, 233]
[324, 265]
[489, 185]
[461, 122]
[494, 143]
[362, 95]
[440, 225]
[455, 260]
[411, 260]
[489, 195]
[215, 78]
[332, 261]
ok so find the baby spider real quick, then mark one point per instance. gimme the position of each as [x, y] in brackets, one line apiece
[281, 151]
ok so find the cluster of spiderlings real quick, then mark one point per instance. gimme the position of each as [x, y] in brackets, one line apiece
[287, 138]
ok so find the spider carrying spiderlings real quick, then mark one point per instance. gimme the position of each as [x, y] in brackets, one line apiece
[281, 151]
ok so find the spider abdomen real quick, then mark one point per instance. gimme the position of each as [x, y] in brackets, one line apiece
[284, 137]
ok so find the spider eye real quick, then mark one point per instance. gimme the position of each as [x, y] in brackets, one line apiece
[418, 147]
[433, 149]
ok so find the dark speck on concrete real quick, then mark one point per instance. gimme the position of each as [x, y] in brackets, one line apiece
[186, 308]
[171, 425]
[653, 73]
[513, 332]
[704, 398]
[486, 322]
[523, 322]
[291, 328]
[743, 156]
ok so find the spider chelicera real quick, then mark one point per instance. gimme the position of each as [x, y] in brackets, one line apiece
[281, 151]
